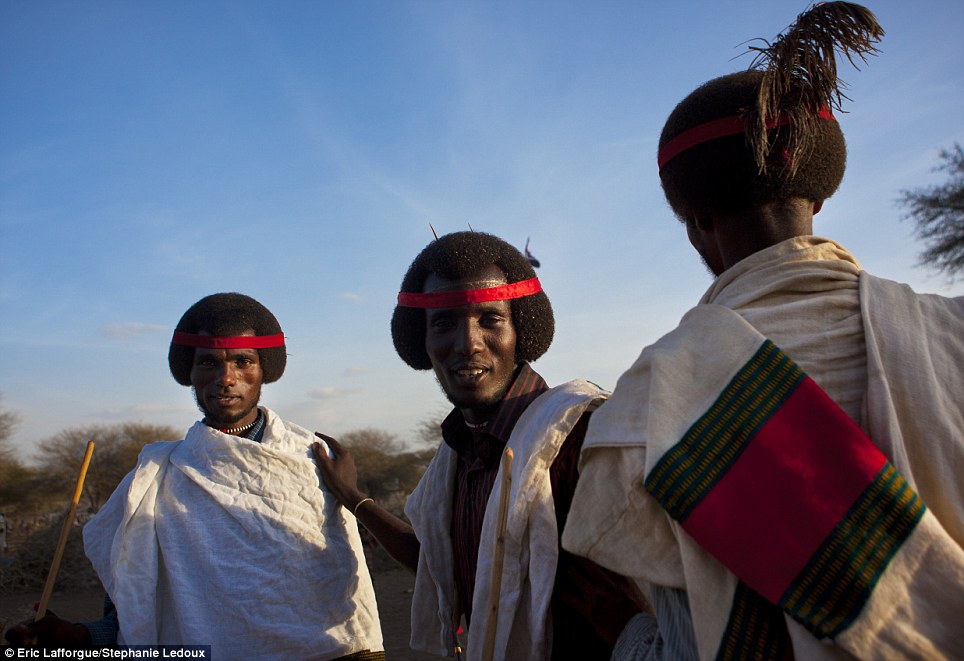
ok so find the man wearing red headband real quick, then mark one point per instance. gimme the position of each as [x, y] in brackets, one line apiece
[472, 310]
[223, 538]
[790, 457]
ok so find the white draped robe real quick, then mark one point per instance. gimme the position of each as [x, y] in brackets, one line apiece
[892, 359]
[223, 541]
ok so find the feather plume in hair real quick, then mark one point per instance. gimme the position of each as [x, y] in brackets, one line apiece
[800, 72]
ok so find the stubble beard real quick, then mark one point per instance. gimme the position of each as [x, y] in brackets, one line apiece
[231, 420]
[474, 404]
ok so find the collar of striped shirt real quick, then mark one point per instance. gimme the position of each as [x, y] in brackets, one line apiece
[256, 433]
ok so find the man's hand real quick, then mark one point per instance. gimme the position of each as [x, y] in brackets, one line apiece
[341, 477]
[338, 471]
[48, 632]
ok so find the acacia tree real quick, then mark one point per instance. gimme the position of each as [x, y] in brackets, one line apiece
[385, 467]
[8, 425]
[428, 432]
[938, 213]
[17, 481]
[115, 453]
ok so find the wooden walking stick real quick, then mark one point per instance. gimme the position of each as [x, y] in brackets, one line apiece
[495, 587]
[68, 522]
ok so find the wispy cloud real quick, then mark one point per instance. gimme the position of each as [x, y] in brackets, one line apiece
[329, 392]
[351, 297]
[130, 330]
[146, 410]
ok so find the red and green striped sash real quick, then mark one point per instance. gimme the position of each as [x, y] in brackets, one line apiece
[787, 492]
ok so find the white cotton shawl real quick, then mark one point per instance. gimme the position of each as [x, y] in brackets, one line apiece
[891, 358]
[912, 409]
[531, 543]
[219, 540]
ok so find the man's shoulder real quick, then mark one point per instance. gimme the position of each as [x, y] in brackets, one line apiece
[699, 328]
[290, 430]
[572, 399]
[551, 418]
[883, 291]
[153, 455]
[158, 449]
[295, 429]
[570, 393]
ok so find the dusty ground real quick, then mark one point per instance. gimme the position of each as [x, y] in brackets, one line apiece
[393, 589]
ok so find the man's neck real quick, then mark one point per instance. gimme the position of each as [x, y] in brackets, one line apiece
[241, 429]
[526, 386]
[478, 418]
[742, 234]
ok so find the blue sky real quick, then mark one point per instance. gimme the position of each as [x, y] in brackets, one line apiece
[152, 153]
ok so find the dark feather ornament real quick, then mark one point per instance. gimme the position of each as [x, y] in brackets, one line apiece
[532, 259]
[800, 73]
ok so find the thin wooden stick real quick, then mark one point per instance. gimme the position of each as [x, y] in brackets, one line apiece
[495, 587]
[68, 522]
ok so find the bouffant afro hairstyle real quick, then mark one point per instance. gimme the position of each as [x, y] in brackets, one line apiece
[723, 176]
[786, 143]
[227, 315]
[462, 255]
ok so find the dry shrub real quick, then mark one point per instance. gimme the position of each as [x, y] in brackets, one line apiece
[26, 568]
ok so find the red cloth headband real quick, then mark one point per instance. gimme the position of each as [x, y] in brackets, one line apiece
[451, 299]
[718, 128]
[222, 342]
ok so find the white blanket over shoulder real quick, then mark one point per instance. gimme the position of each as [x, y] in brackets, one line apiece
[531, 544]
[218, 540]
[913, 412]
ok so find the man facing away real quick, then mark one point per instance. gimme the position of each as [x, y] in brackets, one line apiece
[472, 310]
[224, 538]
[791, 455]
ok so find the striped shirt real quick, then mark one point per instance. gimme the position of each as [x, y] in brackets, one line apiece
[476, 472]
[478, 466]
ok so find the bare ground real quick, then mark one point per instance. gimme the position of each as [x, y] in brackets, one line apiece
[393, 589]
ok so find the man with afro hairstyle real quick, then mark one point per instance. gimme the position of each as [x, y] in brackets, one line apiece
[790, 455]
[224, 538]
[472, 309]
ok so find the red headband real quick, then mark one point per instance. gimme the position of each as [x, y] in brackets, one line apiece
[222, 342]
[718, 128]
[451, 299]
